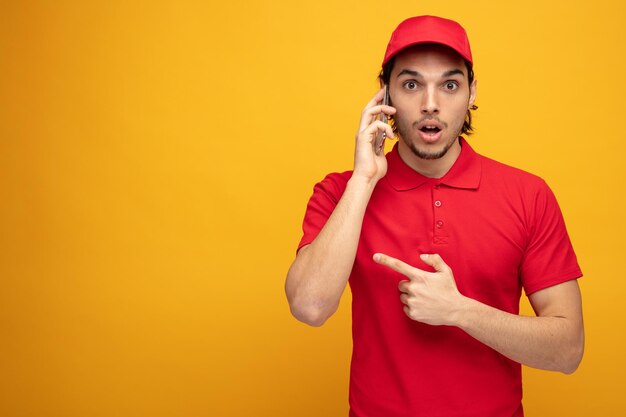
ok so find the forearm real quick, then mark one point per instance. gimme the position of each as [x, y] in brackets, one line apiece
[318, 276]
[548, 342]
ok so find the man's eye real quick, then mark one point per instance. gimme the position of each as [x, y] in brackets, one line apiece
[411, 85]
[451, 85]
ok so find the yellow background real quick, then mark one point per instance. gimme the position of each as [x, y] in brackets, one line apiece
[155, 163]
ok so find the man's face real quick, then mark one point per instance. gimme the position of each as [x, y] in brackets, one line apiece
[430, 91]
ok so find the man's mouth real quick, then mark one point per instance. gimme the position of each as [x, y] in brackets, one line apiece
[430, 129]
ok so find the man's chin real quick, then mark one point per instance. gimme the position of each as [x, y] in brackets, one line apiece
[435, 152]
[429, 151]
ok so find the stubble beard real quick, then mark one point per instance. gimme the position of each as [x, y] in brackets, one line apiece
[405, 134]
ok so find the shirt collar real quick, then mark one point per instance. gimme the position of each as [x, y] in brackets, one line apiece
[464, 173]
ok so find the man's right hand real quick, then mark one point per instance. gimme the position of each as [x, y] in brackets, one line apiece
[367, 163]
[320, 272]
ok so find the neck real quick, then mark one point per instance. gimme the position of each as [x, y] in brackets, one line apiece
[430, 168]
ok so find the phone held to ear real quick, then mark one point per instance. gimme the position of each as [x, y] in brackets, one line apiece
[380, 138]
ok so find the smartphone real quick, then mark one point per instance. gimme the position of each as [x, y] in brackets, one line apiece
[380, 139]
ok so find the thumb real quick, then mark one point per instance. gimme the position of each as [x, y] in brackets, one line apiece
[435, 261]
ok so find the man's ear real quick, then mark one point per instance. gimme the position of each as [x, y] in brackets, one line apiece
[472, 97]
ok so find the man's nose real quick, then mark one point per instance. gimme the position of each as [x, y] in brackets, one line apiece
[430, 104]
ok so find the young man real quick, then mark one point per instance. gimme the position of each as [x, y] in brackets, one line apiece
[437, 243]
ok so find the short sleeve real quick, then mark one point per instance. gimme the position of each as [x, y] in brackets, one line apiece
[549, 258]
[326, 195]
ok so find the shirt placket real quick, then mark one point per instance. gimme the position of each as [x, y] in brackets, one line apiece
[440, 231]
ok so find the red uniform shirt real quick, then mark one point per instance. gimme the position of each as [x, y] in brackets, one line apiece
[499, 229]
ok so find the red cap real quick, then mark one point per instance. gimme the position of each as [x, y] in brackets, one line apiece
[429, 29]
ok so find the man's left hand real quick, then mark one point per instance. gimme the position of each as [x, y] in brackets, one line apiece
[428, 297]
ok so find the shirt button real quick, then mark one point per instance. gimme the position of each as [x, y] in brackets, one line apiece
[439, 224]
[437, 203]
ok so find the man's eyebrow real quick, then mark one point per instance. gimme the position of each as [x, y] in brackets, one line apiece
[446, 74]
[452, 72]
[409, 72]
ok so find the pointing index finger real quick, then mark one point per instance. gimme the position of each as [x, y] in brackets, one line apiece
[395, 264]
